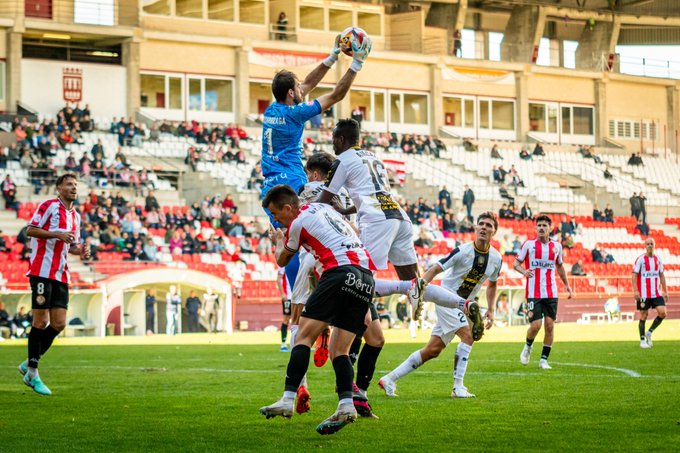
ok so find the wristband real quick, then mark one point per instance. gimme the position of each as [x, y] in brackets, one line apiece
[356, 65]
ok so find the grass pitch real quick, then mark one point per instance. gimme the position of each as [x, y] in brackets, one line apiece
[601, 395]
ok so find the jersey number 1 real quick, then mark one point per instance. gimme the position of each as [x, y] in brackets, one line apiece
[268, 137]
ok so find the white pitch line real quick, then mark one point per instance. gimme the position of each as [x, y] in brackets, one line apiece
[626, 371]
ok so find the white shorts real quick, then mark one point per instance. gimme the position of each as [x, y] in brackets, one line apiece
[449, 321]
[390, 239]
[304, 282]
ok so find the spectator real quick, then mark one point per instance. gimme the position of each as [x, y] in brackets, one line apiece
[21, 323]
[282, 27]
[642, 228]
[496, 175]
[577, 269]
[643, 209]
[358, 115]
[516, 180]
[469, 146]
[598, 215]
[526, 213]
[444, 194]
[4, 320]
[150, 250]
[524, 154]
[151, 202]
[495, 154]
[457, 44]
[3, 243]
[71, 165]
[516, 246]
[635, 159]
[193, 306]
[568, 241]
[635, 205]
[609, 214]
[423, 239]
[468, 200]
[150, 302]
[613, 309]
[596, 254]
[503, 191]
[506, 246]
[9, 193]
[173, 302]
[607, 174]
[538, 150]
[569, 227]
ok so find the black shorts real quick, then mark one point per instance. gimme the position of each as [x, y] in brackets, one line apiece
[653, 302]
[285, 307]
[341, 298]
[540, 308]
[48, 293]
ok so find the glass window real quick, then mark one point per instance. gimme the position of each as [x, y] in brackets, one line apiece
[453, 111]
[503, 115]
[95, 12]
[221, 10]
[189, 8]
[152, 89]
[583, 121]
[251, 11]
[552, 119]
[495, 40]
[175, 93]
[570, 54]
[612, 128]
[339, 19]
[543, 52]
[194, 94]
[469, 44]
[415, 108]
[161, 7]
[379, 106]
[311, 17]
[537, 117]
[2, 80]
[361, 99]
[483, 114]
[370, 23]
[218, 95]
[395, 108]
[566, 120]
[469, 112]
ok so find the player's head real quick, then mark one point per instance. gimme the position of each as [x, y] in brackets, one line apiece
[283, 204]
[649, 246]
[67, 187]
[345, 135]
[318, 166]
[286, 88]
[486, 227]
[543, 226]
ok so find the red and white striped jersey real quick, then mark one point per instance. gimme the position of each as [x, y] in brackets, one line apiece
[48, 256]
[648, 270]
[284, 283]
[323, 232]
[543, 259]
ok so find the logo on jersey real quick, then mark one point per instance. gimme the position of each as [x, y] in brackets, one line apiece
[650, 274]
[543, 264]
[36, 218]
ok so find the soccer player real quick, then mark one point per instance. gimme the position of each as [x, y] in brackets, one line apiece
[342, 297]
[384, 227]
[538, 260]
[647, 275]
[284, 123]
[467, 268]
[54, 230]
[284, 291]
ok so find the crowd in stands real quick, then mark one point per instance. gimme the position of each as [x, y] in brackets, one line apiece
[15, 326]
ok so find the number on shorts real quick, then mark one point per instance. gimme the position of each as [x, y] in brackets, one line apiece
[530, 305]
[461, 317]
[40, 288]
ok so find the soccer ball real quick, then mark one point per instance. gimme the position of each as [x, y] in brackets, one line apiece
[351, 39]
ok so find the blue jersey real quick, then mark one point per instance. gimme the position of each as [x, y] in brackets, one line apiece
[282, 130]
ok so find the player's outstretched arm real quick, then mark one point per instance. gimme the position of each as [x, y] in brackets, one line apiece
[359, 57]
[318, 73]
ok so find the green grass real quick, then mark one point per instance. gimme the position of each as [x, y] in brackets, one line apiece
[206, 398]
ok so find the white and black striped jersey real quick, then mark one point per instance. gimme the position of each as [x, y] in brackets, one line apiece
[311, 192]
[365, 178]
[467, 268]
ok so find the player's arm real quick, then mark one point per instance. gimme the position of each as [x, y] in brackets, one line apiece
[341, 88]
[331, 199]
[432, 272]
[528, 273]
[491, 303]
[39, 233]
[664, 289]
[563, 275]
[284, 253]
[636, 291]
[318, 73]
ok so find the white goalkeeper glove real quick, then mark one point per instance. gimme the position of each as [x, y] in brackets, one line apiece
[333, 57]
[359, 55]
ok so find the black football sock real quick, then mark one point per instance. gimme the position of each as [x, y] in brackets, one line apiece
[658, 320]
[344, 375]
[641, 329]
[34, 340]
[354, 349]
[366, 367]
[297, 367]
[284, 332]
[48, 336]
[530, 342]
[546, 352]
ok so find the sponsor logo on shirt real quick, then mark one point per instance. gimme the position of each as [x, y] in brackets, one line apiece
[274, 120]
[543, 264]
[650, 274]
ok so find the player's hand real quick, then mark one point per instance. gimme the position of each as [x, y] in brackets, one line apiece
[67, 237]
[279, 236]
[85, 252]
[529, 273]
[570, 294]
[361, 54]
[636, 296]
[333, 56]
[488, 319]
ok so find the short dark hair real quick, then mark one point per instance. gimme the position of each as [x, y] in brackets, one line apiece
[280, 195]
[543, 218]
[491, 216]
[349, 129]
[283, 81]
[321, 162]
[64, 177]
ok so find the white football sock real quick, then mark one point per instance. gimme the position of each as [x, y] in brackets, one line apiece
[389, 287]
[408, 365]
[287, 395]
[460, 364]
[443, 297]
[32, 372]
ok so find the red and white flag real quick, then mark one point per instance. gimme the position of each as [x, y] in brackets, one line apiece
[396, 169]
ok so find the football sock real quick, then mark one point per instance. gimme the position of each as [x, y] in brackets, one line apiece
[641, 329]
[546, 351]
[284, 332]
[34, 340]
[344, 375]
[297, 367]
[460, 364]
[344, 401]
[48, 336]
[658, 320]
[408, 365]
[389, 287]
[530, 341]
[443, 297]
[366, 366]
[354, 349]
[293, 333]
